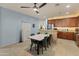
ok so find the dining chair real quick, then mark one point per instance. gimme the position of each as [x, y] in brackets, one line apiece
[46, 33]
[49, 40]
[38, 33]
[43, 44]
[32, 42]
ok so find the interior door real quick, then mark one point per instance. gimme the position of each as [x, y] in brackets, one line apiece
[26, 30]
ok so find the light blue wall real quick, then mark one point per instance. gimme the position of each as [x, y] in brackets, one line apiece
[11, 25]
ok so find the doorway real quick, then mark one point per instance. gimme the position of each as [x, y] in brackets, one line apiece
[26, 30]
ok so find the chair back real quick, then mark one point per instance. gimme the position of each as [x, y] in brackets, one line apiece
[45, 41]
[38, 33]
[50, 38]
[32, 34]
[32, 39]
[46, 33]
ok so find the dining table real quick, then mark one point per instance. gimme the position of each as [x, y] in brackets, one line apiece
[38, 38]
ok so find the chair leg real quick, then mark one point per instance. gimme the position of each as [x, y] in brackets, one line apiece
[38, 49]
[45, 48]
[47, 44]
[35, 47]
[31, 46]
[42, 50]
[42, 47]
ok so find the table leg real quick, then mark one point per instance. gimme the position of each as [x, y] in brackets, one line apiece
[38, 48]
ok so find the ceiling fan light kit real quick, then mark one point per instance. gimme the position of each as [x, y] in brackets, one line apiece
[35, 9]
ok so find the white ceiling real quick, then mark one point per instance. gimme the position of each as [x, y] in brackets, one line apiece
[49, 10]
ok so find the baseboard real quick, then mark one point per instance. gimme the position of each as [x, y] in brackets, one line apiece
[8, 44]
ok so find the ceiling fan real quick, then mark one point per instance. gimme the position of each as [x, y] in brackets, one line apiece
[35, 7]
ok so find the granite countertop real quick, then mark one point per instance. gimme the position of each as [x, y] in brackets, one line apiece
[67, 31]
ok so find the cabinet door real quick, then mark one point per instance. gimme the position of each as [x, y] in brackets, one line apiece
[72, 23]
[49, 21]
[68, 22]
[77, 22]
[59, 35]
[64, 35]
[70, 36]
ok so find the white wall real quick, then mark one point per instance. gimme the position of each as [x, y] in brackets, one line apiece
[11, 25]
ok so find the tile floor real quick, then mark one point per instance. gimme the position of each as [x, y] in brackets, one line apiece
[61, 48]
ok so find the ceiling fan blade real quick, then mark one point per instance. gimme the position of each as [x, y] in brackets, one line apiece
[42, 5]
[25, 7]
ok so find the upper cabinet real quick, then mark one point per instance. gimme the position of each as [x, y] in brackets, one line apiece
[50, 22]
[72, 22]
[59, 23]
[77, 22]
[66, 22]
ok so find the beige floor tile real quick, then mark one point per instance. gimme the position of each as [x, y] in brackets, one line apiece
[61, 48]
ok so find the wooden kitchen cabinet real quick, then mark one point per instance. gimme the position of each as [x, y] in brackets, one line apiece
[70, 36]
[72, 22]
[66, 35]
[59, 23]
[77, 22]
[59, 34]
[49, 21]
[66, 22]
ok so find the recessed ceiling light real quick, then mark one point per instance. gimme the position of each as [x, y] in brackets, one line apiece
[68, 6]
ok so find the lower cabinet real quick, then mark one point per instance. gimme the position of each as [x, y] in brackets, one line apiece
[66, 35]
